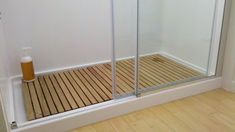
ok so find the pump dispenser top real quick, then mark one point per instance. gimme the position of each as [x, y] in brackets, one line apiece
[26, 55]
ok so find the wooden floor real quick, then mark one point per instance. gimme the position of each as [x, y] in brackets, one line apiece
[67, 90]
[208, 112]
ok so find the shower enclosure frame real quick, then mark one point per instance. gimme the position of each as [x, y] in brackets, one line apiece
[213, 54]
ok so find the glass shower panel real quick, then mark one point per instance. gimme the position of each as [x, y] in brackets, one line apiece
[125, 38]
[174, 39]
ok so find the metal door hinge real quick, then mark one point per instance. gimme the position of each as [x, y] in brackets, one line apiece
[14, 125]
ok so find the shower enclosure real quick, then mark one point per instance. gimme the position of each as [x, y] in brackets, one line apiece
[159, 43]
[156, 43]
[104, 52]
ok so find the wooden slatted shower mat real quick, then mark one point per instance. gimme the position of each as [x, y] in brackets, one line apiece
[67, 90]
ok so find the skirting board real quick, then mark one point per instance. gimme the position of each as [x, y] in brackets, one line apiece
[123, 107]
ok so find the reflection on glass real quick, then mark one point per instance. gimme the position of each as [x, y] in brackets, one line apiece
[174, 40]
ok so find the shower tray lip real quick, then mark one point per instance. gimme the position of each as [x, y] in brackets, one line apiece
[22, 121]
[121, 106]
[75, 112]
[21, 118]
[18, 102]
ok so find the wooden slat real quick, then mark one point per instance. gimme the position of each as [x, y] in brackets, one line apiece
[76, 97]
[48, 97]
[159, 70]
[124, 86]
[177, 68]
[101, 79]
[34, 98]
[163, 67]
[144, 79]
[54, 95]
[182, 70]
[78, 89]
[107, 78]
[177, 65]
[145, 76]
[83, 87]
[94, 85]
[66, 92]
[28, 102]
[60, 93]
[94, 78]
[89, 87]
[63, 91]
[41, 98]
[130, 71]
[161, 75]
[120, 86]
[130, 85]
[123, 74]
[155, 78]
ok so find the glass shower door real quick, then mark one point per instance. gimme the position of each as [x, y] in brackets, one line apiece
[124, 47]
[174, 41]
[159, 43]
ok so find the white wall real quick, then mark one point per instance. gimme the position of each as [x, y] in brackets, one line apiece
[229, 59]
[4, 75]
[67, 33]
[150, 26]
[187, 28]
[180, 28]
[3, 55]
[3, 78]
[62, 33]
[3, 63]
[125, 16]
